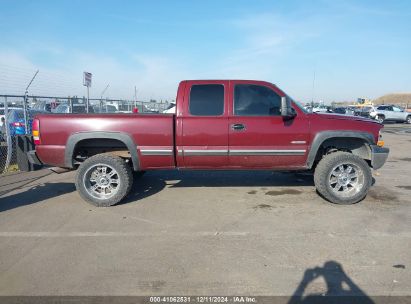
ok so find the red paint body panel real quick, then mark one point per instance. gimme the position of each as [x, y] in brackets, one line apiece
[203, 142]
[145, 130]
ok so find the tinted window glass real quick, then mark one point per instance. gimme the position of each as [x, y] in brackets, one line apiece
[256, 100]
[207, 100]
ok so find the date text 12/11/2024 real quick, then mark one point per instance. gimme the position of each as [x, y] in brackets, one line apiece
[203, 299]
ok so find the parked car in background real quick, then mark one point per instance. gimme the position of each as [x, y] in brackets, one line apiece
[144, 109]
[340, 110]
[171, 109]
[390, 113]
[2, 113]
[350, 111]
[104, 109]
[319, 109]
[77, 109]
[15, 120]
[363, 111]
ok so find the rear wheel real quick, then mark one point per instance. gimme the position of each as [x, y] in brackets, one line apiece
[408, 120]
[104, 180]
[342, 178]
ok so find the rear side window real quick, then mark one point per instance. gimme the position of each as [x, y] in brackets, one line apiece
[207, 100]
[255, 100]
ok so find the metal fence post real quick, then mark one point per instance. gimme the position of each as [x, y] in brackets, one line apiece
[8, 136]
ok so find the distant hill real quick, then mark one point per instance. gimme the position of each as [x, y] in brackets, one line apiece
[395, 98]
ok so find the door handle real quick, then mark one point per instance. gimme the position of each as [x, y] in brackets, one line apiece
[238, 127]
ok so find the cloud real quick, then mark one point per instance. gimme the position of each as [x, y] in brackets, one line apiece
[265, 42]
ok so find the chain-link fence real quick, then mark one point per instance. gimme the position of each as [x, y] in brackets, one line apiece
[14, 119]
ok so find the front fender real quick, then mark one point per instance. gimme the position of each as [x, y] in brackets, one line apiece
[323, 136]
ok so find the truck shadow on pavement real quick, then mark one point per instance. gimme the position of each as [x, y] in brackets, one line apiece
[155, 181]
[340, 288]
[34, 194]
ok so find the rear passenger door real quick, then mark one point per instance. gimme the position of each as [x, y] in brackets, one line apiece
[204, 140]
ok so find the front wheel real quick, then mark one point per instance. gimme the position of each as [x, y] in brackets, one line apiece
[104, 180]
[343, 178]
[380, 118]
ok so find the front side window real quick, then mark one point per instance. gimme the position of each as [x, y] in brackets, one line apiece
[255, 100]
[207, 100]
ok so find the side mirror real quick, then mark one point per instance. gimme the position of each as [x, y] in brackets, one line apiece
[286, 109]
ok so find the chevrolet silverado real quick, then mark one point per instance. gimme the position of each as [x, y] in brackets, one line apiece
[218, 124]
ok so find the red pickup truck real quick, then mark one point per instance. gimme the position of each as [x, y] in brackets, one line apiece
[219, 124]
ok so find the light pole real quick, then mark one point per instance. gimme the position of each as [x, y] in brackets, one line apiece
[101, 98]
[25, 102]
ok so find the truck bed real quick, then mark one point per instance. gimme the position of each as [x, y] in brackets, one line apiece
[149, 133]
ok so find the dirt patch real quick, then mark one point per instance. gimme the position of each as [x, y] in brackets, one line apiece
[283, 192]
[404, 187]
[263, 206]
[399, 266]
[252, 192]
[408, 159]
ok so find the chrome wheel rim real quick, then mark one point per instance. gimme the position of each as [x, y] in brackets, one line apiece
[380, 119]
[101, 181]
[346, 180]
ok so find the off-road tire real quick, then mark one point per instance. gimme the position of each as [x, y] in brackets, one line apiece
[124, 173]
[323, 172]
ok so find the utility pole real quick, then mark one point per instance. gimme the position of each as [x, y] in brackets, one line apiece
[87, 82]
[101, 99]
[25, 102]
[312, 98]
[135, 97]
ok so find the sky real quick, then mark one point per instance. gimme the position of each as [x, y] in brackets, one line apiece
[327, 50]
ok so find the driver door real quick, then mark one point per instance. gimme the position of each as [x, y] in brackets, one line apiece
[259, 137]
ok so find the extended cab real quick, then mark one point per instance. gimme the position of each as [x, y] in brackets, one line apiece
[218, 124]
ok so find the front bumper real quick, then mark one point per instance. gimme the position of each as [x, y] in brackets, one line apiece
[378, 156]
[33, 159]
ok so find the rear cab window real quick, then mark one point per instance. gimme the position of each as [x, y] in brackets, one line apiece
[206, 100]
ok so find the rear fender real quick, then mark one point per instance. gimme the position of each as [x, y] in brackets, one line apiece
[123, 137]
